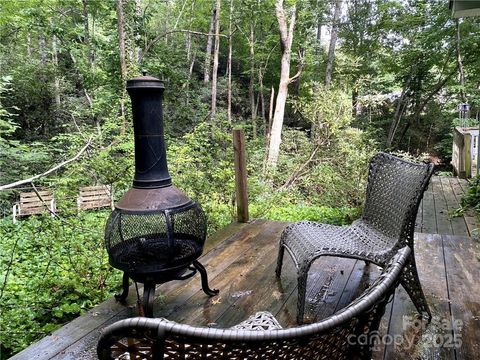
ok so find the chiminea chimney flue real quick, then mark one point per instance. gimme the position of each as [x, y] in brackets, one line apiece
[151, 169]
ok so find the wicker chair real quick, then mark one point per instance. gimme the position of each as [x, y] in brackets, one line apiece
[261, 337]
[394, 191]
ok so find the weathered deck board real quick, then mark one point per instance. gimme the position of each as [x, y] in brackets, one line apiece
[444, 224]
[459, 226]
[239, 277]
[442, 197]
[241, 259]
[326, 283]
[413, 342]
[429, 222]
[462, 259]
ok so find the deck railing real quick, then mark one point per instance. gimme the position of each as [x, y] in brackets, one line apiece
[461, 153]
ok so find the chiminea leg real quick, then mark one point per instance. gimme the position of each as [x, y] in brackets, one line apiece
[148, 297]
[203, 273]
[125, 284]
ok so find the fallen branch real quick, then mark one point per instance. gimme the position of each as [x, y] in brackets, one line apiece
[30, 180]
[300, 171]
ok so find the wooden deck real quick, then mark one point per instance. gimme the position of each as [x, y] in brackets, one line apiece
[240, 261]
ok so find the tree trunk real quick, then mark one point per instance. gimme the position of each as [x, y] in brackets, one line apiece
[215, 58]
[123, 60]
[268, 127]
[42, 49]
[251, 85]
[208, 51]
[90, 61]
[55, 63]
[333, 43]
[270, 114]
[29, 45]
[138, 15]
[298, 76]
[262, 95]
[354, 102]
[86, 32]
[121, 40]
[401, 105]
[229, 65]
[190, 58]
[319, 33]
[461, 73]
[286, 38]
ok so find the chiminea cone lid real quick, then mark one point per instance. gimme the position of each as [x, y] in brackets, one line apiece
[149, 200]
[145, 81]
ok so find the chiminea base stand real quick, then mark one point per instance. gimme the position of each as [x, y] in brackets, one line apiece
[151, 280]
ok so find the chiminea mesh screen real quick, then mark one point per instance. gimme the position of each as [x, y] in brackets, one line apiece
[152, 242]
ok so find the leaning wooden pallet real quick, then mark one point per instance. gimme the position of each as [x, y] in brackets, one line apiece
[31, 203]
[93, 197]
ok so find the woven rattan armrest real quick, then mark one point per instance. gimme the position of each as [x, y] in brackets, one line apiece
[179, 341]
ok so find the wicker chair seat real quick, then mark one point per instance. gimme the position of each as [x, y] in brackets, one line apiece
[308, 240]
[261, 321]
[260, 336]
[394, 191]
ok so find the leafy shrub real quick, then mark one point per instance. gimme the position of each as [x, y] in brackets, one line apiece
[323, 214]
[328, 166]
[201, 164]
[471, 199]
[51, 272]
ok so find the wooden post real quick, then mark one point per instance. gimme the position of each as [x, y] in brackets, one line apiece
[240, 175]
[14, 211]
[467, 154]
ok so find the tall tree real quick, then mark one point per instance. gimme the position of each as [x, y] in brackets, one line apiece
[55, 64]
[123, 58]
[333, 43]
[229, 64]
[251, 86]
[461, 71]
[215, 58]
[286, 38]
[86, 32]
[208, 50]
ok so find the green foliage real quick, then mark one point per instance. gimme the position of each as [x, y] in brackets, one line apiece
[411, 157]
[471, 199]
[300, 212]
[331, 166]
[27, 158]
[51, 272]
[201, 164]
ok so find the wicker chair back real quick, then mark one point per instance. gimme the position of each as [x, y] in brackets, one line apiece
[394, 191]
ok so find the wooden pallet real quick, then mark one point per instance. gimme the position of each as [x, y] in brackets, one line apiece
[31, 204]
[93, 197]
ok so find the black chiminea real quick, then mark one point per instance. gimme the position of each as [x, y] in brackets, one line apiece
[155, 233]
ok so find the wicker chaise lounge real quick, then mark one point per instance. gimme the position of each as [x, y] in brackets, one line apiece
[394, 191]
[344, 335]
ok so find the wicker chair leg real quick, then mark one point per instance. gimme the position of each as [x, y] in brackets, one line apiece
[411, 284]
[302, 292]
[281, 251]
